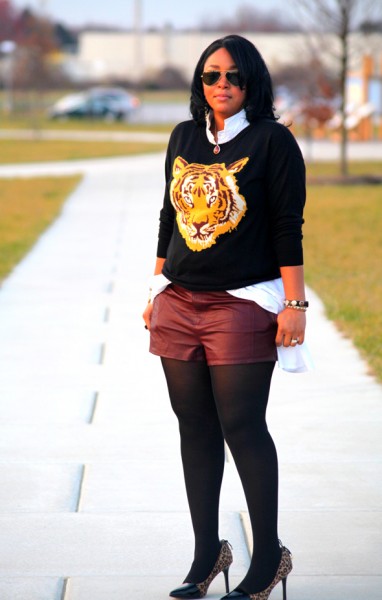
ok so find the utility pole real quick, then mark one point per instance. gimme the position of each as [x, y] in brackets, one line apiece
[44, 7]
[138, 31]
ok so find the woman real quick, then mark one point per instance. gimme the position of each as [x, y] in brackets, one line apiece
[229, 252]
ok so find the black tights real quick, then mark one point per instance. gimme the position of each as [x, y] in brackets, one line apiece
[227, 402]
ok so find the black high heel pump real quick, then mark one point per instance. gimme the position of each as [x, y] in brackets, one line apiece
[199, 590]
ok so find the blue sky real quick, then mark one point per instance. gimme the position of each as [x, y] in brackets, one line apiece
[154, 12]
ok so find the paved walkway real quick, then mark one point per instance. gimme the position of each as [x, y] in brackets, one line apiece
[92, 505]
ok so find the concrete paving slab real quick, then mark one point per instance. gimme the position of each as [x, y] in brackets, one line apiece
[330, 485]
[70, 350]
[139, 544]
[31, 588]
[107, 487]
[44, 488]
[27, 376]
[37, 405]
[126, 588]
[90, 443]
[331, 542]
[350, 587]
[321, 443]
[298, 588]
[133, 391]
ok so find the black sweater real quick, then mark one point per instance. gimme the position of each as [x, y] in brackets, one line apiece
[231, 219]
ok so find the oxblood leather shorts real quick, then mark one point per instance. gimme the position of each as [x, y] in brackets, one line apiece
[214, 327]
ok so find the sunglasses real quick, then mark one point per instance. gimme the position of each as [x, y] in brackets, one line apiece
[212, 77]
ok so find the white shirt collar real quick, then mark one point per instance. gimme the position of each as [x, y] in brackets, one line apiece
[232, 127]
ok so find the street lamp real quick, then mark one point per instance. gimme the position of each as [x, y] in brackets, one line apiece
[7, 48]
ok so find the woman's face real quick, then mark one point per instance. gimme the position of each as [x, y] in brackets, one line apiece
[223, 97]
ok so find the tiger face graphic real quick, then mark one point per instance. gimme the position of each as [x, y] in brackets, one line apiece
[207, 201]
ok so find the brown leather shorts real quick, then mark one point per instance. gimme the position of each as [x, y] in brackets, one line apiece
[214, 327]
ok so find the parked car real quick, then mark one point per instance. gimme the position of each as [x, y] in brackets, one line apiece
[102, 103]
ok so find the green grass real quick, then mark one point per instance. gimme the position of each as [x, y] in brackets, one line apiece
[343, 258]
[27, 207]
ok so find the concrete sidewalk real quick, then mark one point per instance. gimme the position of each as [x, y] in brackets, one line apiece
[92, 505]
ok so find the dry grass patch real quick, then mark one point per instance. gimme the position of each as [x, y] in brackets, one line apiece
[16, 151]
[343, 256]
[331, 169]
[41, 123]
[27, 207]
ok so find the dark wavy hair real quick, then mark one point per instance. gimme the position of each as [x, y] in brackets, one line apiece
[254, 75]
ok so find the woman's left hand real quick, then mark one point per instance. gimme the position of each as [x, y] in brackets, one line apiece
[291, 327]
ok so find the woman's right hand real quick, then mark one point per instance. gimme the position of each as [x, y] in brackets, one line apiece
[147, 314]
[149, 308]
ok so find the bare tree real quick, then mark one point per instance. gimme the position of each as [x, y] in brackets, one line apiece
[7, 20]
[35, 38]
[339, 17]
[310, 90]
[249, 18]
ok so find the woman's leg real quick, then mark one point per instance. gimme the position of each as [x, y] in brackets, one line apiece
[202, 449]
[241, 395]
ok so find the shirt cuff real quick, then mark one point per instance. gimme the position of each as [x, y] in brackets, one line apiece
[157, 283]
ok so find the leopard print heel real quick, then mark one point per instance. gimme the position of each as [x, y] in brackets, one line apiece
[282, 573]
[199, 590]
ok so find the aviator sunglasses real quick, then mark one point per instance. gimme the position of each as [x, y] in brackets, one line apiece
[212, 77]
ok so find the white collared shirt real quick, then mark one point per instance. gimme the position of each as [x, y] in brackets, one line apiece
[232, 127]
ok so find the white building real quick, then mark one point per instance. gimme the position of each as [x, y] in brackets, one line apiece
[132, 56]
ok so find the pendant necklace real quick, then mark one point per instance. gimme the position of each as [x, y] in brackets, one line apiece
[216, 149]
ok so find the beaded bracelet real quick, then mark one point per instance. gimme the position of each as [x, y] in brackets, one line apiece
[296, 304]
